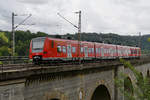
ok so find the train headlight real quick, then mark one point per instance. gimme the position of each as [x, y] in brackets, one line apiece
[36, 57]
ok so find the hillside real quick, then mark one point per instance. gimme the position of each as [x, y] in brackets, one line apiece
[112, 38]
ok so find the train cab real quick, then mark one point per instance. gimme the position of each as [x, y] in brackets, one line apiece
[37, 49]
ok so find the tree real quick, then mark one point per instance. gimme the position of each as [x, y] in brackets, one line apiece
[58, 36]
[3, 39]
[148, 39]
[4, 45]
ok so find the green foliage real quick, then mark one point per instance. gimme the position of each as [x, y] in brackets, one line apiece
[3, 38]
[4, 45]
[23, 39]
[1, 62]
[141, 89]
[5, 51]
[148, 39]
[57, 36]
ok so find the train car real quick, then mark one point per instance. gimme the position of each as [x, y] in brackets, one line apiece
[105, 51]
[123, 51]
[109, 51]
[51, 49]
[99, 50]
[44, 48]
[87, 49]
[135, 52]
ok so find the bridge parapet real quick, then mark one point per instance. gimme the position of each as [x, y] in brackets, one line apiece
[13, 71]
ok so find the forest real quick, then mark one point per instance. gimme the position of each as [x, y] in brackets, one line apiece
[23, 38]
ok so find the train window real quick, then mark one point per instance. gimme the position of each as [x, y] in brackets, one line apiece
[58, 48]
[135, 51]
[128, 51]
[96, 50]
[64, 49]
[81, 49]
[131, 52]
[109, 50]
[92, 50]
[104, 50]
[73, 49]
[52, 44]
[38, 44]
[89, 50]
[99, 49]
[114, 51]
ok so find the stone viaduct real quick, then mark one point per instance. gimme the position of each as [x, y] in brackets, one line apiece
[89, 81]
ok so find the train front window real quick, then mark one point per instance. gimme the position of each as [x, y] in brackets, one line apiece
[38, 44]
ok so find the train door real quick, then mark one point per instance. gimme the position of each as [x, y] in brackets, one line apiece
[85, 51]
[69, 54]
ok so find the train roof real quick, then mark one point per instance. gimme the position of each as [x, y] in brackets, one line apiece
[67, 40]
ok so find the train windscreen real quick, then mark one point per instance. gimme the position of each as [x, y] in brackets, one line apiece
[38, 44]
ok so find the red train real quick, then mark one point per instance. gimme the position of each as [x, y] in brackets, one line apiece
[51, 49]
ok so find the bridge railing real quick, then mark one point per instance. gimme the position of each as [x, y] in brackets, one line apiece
[13, 59]
[145, 56]
[9, 63]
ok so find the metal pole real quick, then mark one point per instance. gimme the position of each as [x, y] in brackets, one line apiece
[79, 36]
[13, 33]
[139, 39]
[13, 30]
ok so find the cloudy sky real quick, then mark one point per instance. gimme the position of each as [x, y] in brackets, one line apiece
[117, 16]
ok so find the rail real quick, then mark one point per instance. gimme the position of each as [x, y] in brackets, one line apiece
[25, 59]
[19, 63]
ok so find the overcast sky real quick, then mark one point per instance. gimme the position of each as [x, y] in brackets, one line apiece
[117, 16]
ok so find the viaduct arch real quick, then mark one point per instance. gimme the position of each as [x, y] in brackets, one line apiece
[55, 95]
[101, 93]
[128, 85]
